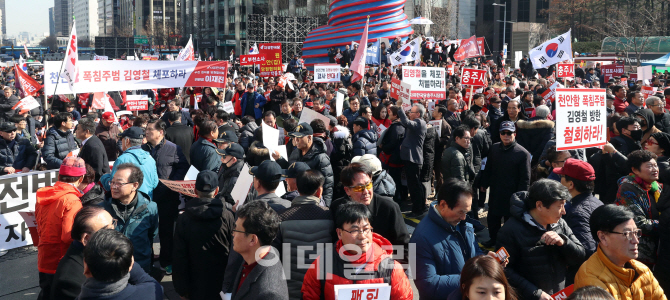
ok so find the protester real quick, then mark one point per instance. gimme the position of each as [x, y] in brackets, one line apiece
[251, 103]
[55, 209]
[267, 177]
[180, 134]
[411, 153]
[232, 162]
[108, 132]
[457, 159]
[92, 149]
[16, 155]
[247, 132]
[534, 133]
[382, 183]
[203, 151]
[176, 106]
[59, 141]
[483, 277]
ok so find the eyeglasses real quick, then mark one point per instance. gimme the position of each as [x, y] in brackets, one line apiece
[240, 231]
[358, 232]
[651, 143]
[118, 184]
[361, 188]
[629, 234]
[506, 133]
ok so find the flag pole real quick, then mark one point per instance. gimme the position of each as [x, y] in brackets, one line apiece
[67, 48]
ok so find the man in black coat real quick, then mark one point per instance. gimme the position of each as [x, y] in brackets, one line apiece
[171, 164]
[391, 140]
[69, 275]
[411, 153]
[7, 103]
[507, 171]
[175, 105]
[387, 219]
[180, 134]
[202, 242]
[232, 162]
[92, 150]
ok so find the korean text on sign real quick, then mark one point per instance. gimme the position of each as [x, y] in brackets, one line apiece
[580, 118]
[400, 89]
[565, 70]
[327, 73]
[272, 66]
[473, 77]
[428, 83]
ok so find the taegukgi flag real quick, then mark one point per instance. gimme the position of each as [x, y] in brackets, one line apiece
[552, 52]
[407, 52]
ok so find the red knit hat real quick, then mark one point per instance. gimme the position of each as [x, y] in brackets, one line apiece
[73, 166]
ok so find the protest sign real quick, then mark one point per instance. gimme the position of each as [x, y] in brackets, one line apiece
[252, 59]
[339, 102]
[242, 186]
[18, 192]
[327, 73]
[580, 118]
[380, 130]
[270, 138]
[372, 53]
[137, 102]
[192, 173]
[120, 75]
[550, 94]
[186, 187]
[229, 107]
[26, 104]
[380, 291]
[428, 83]
[624, 81]
[564, 293]
[100, 57]
[308, 115]
[272, 66]
[633, 78]
[565, 70]
[647, 91]
[473, 77]
[438, 126]
[400, 89]
[644, 73]
[610, 71]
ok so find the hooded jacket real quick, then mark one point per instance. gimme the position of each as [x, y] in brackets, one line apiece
[383, 184]
[535, 267]
[55, 209]
[142, 160]
[311, 287]
[642, 201]
[57, 146]
[202, 242]
[247, 135]
[257, 154]
[533, 134]
[317, 159]
[365, 142]
[635, 281]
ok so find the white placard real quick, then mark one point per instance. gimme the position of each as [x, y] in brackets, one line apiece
[438, 126]
[339, 102]
[270, 138]
[242, 186]
[308, 115]
[431, 105]
[380, 130]
[229, 107]
[644, 73]
[282, 152]
[580, 118]
[327, 73]
[192, 173]
[379, 291]
[281, 190]
[428, 83]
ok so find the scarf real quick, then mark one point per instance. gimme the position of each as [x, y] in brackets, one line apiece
[651, 188]
[93, 288]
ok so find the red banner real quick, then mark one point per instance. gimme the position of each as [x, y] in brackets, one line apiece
[610, 71]
[27, 85]
[565, 70]
[647, 91]
[272, 67]
[480, 45]
[252, 59]
[137, 102]
[473, 77]
[468, 49]
[209, 73]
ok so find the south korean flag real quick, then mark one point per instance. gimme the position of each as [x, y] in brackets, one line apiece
[552, 52]
[407, 52]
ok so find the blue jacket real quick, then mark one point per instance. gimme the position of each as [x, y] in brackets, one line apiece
[141, 227]
[441, 252]
[144, 161]
[258, 99]
[577, 215]
[204, 156]
[365, 142]
[350, 115]
[18, 155]
[57, 146]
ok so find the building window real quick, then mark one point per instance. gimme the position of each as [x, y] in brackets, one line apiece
[523, 14]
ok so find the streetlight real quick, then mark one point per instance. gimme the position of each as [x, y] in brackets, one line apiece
[504, 21]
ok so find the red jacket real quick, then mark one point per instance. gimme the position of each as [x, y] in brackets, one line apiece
[619, 105]
[400, 287]
[237, 100]
[55, 209]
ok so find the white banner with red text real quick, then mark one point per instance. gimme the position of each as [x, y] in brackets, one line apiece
[427, 83]
[581, 118]
[119, 75]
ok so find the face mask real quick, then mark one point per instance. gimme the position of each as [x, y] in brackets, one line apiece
[636, 135]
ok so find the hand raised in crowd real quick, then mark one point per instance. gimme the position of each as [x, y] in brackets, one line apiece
[276, 155]
[235, 206]
[552, 238]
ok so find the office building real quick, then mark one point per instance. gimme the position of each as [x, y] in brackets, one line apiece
[86, 16]
[63, 16]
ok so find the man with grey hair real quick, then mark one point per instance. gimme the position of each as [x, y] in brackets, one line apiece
[661, 117]
[411, 153]
[131, 144]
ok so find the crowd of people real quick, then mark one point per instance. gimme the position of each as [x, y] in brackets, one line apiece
[595, 218]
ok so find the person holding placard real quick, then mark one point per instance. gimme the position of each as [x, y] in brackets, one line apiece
[411, 153]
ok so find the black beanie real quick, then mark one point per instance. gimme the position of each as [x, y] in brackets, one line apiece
[663, 140]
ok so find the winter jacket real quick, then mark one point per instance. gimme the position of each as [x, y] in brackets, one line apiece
[340, 158]
[277, 203]
[55, 209]
[305, 223]
[577, 216]
[69, 276]
[17, 154]
[341, 267]
[283, 117]
[350, 115]
[429, 141]
[257, 99]
[185, 118]
[109, 138]
[183, 137]
[441, 252]
[662, 122]
[535, 267]
[533, 134]
[662, 267]
[204, 156]
[457, 163]
[481, 144]
[383, 184]
[411, 148]
[202, 241]
[247, 135]
[257, 154]
[642, 201]
[171, 164]
[317, 159]
[57, 146]
[265, 281]
[141, 159]
[93, 196]
[93, 153]
[635, 281]
[140, 286]
[365, 142]
[140, 227]
[507, 171]
[227, 179]
[390, 146]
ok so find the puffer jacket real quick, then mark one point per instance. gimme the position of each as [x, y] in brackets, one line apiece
[639, 200]
[457, 163]
[340, 158]
[305, 223]
[533, 134]
[257, 154]
[57, 146]
[365, 142]
[55, 209]
[311, 287]
[577, 216]
[21, 154]
[535, 267]
[141, 227]
[109, 138]
[383, 184]
[633, 282]
[247, 135]
[204, 156]
[317, 159]
[141, 159]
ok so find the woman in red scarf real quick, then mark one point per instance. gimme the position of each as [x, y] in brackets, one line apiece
[380, 116]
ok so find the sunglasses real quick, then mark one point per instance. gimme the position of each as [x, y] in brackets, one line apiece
[506, 133]
[361, 188]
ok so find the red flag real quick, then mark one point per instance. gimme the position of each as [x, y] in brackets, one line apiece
[24, 48]
[27, 85]
[99, 100]
[358, 65]
[467, 49]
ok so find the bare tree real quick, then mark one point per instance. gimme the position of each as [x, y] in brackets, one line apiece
[443, 14]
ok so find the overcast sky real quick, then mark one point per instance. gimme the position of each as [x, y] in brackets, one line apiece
[31, 16]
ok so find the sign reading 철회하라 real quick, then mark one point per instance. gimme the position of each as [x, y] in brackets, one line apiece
[580, 118]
